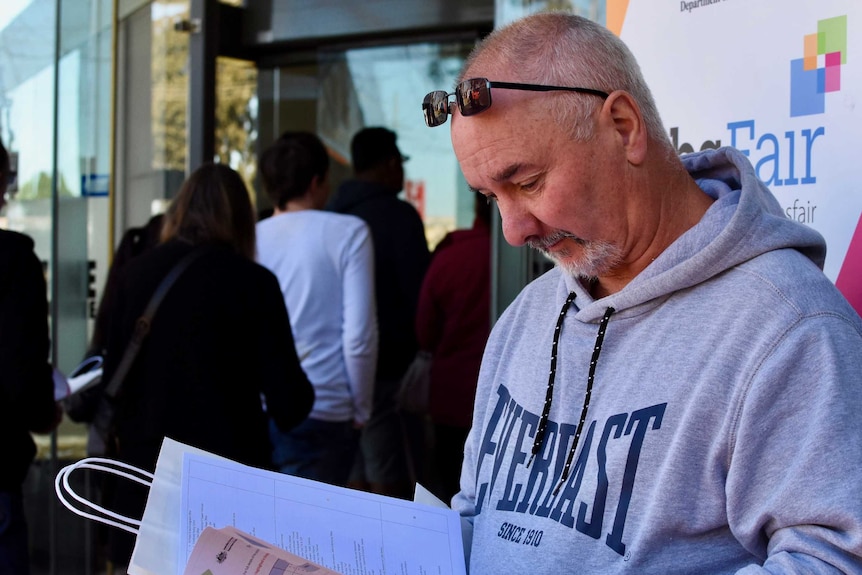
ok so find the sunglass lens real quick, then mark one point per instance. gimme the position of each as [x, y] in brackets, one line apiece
[435, 108]
[474, 96]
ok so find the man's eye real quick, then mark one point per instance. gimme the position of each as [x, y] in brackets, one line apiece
[531, 185]
[490, 199]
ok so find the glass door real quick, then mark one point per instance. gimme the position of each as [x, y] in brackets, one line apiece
[341, 91]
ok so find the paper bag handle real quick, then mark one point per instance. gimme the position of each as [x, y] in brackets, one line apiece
[61, 483]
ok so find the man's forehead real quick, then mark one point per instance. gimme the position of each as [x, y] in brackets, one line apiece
[492, 152]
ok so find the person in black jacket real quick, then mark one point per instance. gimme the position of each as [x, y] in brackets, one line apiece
[391, 442]
[26, 386]
[219, 339]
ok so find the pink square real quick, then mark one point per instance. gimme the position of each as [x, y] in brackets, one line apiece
[833, 78]
[833, 59]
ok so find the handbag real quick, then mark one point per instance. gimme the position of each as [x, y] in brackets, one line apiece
[415, 385]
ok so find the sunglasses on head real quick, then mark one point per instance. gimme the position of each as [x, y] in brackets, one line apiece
[474, 96]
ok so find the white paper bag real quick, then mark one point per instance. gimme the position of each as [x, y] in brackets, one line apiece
[158, 531]
[157, 547]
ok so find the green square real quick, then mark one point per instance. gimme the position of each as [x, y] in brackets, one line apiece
[832, 36]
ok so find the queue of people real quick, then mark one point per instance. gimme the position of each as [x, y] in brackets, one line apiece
[265, 348]
[679, 394]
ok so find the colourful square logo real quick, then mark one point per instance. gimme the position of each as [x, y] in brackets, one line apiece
[818, 71]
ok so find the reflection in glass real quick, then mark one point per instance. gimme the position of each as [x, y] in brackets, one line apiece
[169, 68]
[236, 116]
[384, 87]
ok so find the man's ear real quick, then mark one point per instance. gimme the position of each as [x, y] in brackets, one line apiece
[628, 123]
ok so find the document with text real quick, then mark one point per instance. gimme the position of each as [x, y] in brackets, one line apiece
[348, 531]
[229, 551]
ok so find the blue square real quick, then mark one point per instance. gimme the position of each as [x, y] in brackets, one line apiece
[821, 80]
[807, 90]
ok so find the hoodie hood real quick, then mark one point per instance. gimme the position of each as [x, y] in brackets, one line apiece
[744, 222]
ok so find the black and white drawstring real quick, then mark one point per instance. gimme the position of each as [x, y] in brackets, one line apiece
[549, 394]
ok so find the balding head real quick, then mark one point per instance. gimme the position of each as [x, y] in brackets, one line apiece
[561, 49]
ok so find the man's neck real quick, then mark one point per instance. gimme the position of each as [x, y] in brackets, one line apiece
[680, 205]
[296, 205]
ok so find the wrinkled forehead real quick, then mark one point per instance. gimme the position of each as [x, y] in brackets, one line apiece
[483, 129]
[488, 145]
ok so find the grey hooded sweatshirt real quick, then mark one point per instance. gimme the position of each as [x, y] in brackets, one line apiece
[724, 427]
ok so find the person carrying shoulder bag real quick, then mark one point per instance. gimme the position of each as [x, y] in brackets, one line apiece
[219, 340]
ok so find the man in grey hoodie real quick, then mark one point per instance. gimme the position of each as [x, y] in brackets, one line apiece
[682, 393]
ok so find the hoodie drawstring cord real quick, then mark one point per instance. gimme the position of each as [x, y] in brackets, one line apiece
[549, 394]
[597, 350]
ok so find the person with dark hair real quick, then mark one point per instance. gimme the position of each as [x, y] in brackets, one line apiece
[400, 260]
[219, 340]
[26, 386]
[681, 394]
[136, 241]
[375, 156]
[453, 321]
[324, 263]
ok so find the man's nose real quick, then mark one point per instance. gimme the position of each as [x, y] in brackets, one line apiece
[519, 224]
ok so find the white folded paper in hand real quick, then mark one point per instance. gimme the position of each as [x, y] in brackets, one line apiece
[342, 529]
[86, 374]
[228, 551]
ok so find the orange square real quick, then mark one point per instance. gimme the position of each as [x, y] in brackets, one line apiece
[810, 50]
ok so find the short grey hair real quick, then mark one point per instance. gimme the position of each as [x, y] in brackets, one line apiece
[562, 49]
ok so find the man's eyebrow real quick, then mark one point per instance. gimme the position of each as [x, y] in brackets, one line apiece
[506, 173]
[502, 176]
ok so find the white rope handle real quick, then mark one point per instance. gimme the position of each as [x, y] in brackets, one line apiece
[61, 482]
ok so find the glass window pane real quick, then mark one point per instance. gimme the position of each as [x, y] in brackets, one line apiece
[384, 87]
[170, 86]
[236, 116]
[27, 47]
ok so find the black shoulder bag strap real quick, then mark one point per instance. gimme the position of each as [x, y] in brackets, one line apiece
[142, 325]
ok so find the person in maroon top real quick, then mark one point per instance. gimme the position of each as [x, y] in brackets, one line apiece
[453, 321]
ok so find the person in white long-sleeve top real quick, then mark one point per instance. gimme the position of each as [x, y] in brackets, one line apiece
[325, 266]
